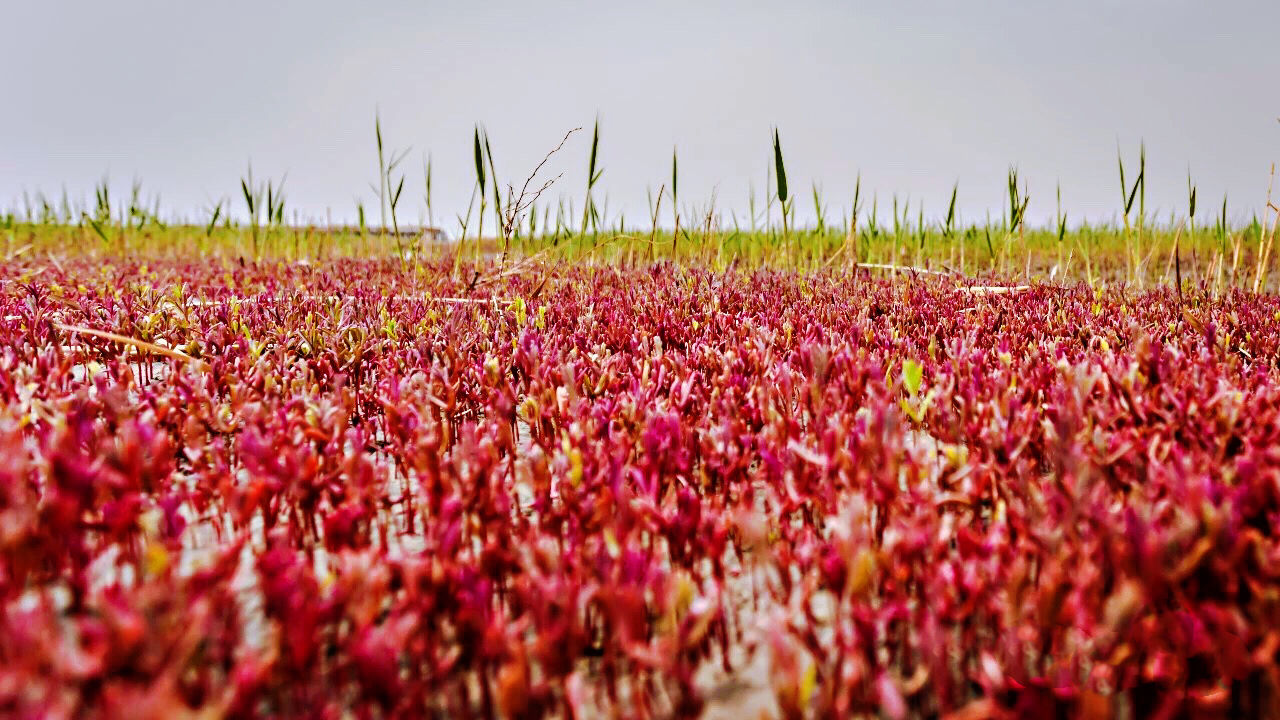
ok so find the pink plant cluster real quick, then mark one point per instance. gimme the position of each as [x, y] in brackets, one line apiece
[379, 491]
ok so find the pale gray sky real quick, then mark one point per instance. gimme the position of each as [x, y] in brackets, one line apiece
[915, 95]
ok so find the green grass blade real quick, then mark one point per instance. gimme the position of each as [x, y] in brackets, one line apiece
[779, 169]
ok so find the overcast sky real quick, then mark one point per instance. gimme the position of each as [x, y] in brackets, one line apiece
[914, 95]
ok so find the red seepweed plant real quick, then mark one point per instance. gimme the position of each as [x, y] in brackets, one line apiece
[352, 489]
